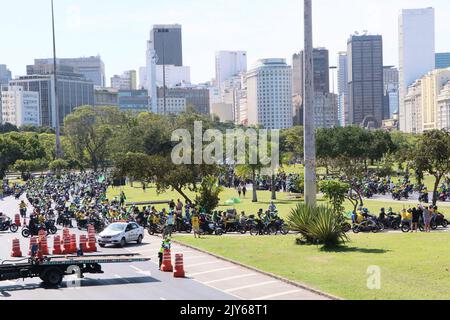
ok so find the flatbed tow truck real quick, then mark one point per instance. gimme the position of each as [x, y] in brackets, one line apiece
[51, 270]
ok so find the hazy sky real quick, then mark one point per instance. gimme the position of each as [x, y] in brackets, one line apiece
[118, 30]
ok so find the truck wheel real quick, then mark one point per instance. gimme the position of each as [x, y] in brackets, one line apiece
[52, 277]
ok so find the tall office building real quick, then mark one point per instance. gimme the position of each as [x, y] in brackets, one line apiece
[5, 75]
[321, 79]
[442, 60]
[321, 71]
[125, 81]
[74, 90]
[365, 80]
[229, 64]
[167, 42]
[19, 107]
[343, 89]
[136, 101]
[391, 98]
[92, 68]
[269, 94]
[416, 54]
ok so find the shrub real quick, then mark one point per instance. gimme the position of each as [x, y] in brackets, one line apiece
[318, 225]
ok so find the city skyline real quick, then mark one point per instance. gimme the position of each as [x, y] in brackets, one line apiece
[120, 38]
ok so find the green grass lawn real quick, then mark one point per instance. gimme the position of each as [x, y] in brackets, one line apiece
[413, 266]
[284, 203]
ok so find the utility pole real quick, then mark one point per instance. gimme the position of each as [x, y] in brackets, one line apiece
[58, 154]
[164, 73]
[308, 109]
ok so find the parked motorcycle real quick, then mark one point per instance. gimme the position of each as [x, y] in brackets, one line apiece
[8, 225]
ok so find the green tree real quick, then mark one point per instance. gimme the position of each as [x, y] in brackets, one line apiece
[335, 192]
[432, 155]
[90, 131]
[209, 191]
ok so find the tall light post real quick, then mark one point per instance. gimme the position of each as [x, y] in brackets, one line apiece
[308, 110]
[58, 154]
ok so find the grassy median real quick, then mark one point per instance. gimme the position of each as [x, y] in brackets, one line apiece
[413, 266]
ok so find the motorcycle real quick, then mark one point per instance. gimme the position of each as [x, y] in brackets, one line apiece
[438, 220]
[8, 225]
[280, 226]
[392, 221]
[210, 228]
[183, 225]
[27, 232]
[368, 225]
[423, 197]
[443, 197]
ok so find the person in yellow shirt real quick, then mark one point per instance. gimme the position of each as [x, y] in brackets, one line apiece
[196, 224]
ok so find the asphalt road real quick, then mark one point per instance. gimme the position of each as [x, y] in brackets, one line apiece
[208, 278]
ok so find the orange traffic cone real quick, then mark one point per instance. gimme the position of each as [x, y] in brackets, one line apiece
[66, 245]
[16, 252]
[167, 262]
[83, 243]
[73, 243]
[92, 243]
[57, 245]
[43, 245]
[33, 241]
[17, 220]
[179, 267]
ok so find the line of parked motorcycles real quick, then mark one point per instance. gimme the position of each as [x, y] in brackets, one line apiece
[395, 222]
[209, 227]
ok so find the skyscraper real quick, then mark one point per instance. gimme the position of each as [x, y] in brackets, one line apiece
[269, 94]
[391, 100]
[74, 90]
[5, 75]
[19, 107]
[166, 40]
[365, 80]
[321, 71]
[321, 79]
[229, 64]
[442, 60]
[92, 68]
[416, 53]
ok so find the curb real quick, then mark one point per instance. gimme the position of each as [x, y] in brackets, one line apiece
[294, 283]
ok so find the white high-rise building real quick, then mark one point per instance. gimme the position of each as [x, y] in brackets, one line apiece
[443, 108]
[19, 107]
[125, 81]
[229, 64]
[269, 94]
[417, 54]
[175, 76]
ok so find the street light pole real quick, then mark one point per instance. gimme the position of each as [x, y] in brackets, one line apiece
[308, 109]
[58, 154]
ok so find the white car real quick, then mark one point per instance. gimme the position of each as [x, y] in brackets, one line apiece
[120, 234]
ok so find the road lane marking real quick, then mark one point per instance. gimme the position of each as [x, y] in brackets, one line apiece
[143, 272]
[232, 278]
[202, 264]
[251, 286]
[277, 295]
[211, 271]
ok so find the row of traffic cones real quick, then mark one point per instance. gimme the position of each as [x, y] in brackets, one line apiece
[66, 245]
[178, 271]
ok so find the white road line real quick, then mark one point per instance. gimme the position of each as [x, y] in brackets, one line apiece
[211, 271]
[202, 264]
[194, 257]
[251, 286]
[232, 278]
[277, 295]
